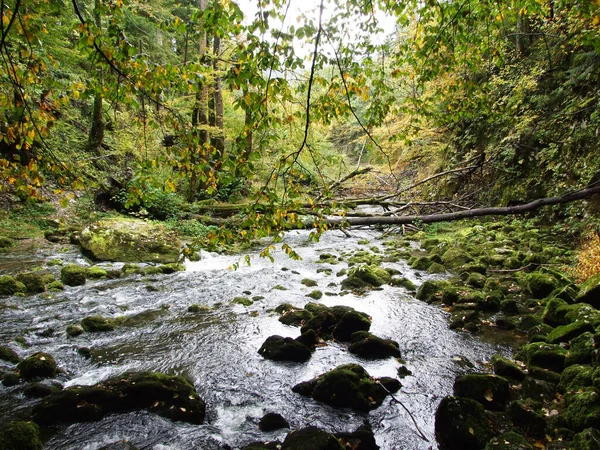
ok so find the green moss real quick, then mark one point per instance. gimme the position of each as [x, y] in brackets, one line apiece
[565, 333]
[588, 439]
[295, 317]
[152, 270]
[8, 354]
[436, 268]
[244, 301]
[403, 282]
[547, 356]
[20, 436]
[73, 275]
[509, 441]
[10, 286]
[550, 315]
[94, 324]
[96, 272]
[476, 280]
[489, 390]
[34, 283]
[56, 286]
[583, 409]
[575, 378]
[74, 330]
[308, 282]
[279, 288]
[130, 269]
[366, 276]
[39, 364]
[6, 242]
[455, 257]
[590, 291]
[54, 262]
[461, 423]
[430, 288]
[315, 295]
[581, 350]
[506, 368]
[421, 263]
[198, 308]
[540, 285]
[171, 268]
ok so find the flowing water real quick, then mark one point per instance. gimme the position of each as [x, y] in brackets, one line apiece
[217, 349]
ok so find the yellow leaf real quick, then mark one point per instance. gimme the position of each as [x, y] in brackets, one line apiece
[489, 395]
[471, 431]
[539, 444]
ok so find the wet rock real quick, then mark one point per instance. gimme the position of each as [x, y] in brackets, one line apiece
[10, 379]
[576, 378]
[315, 295]
[94, 324]
[565, 333]
[526, 419]
[73, 275]
[361, 439]
[169, 396]
[476, 280]
[506, 368]
[509, 441]
[403, 282]
[295, 317]
[322, 323]
[276, 445]
[34, 284]
[583, 409]
[20, 435]
[461, 424]
[366, 276]
[74, 330]
[198, 308]
[436, 268]
[489, 390]
[272, 421]
[538, 390]
[581, 350]
[130, 240]
[505, 323]
[346, 386]
[171, 268]
[244, 301]
[308, 338]
[308, 282]
[38, 365]
[590, 292]
[96, 273]
[430, 288]
[8, 354]
[278, 348]
[351, 322]
[311, 438]
[10, 286]
[421, 263]
[369, 346]
[41, 390]
[455, 257]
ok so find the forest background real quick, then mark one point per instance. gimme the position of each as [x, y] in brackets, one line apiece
[168, 109]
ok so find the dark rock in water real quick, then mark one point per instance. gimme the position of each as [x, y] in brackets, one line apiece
[41, 390]
[10, 286]
[311, 438]
[509, 441]
[94, 324]
[296, 317]
[38, 365]
[390, 384]
[10, 379]
[8, 354]
[361, 439]
[369, 346]
[73, 275]
[278, 348]
[309, 338]
[349, 323]
[20, 436]
[346, 386]
[34, 284]
[322, 323]
[272, 421]
[168, 396]
[461, 424]
[527, 420]
[489, 390]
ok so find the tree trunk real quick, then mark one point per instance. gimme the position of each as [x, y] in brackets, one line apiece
[96, 135]
[218, 141]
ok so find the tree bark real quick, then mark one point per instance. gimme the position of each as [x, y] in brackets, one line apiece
[96, 135]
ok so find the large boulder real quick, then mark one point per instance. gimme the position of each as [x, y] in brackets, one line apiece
[20, 435]
[278, 348]
[38, 365]
[168, 396]
[489, 390]
[346, 386]
[311, 438]
[130, 240]
[369, 346]
[590, 292]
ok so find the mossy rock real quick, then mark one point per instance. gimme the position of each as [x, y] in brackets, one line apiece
[576, 378]
[489, 390]
[455, 257]
[579, 312]
[581, 350]
[547, 356]
[152, 270]
[509, 441]
[295, 317]
[346, 386]
[171, 268]
[56, 286]
[476, 280]
[308, 282]
[73, 275]
[590, 292]
[527, 419]
[279, 288]
[588, 439]
[130, 240]
[430, 288]
[93, 324]
[131, 269]
[20, 435]
[316, 308]
[369, 346]
[315, 295]
[10, 286]
[366, 276]
[540, 285]
[6, 242]
[565, 333]
[9, 355]
[311, 438]
[244, 301]
[583, 409]
[74, 330]
[421, 263]
[403, 282]
[278, 348]
[491, 301]
[169, 396]
[41, 390]
[198, 308]
[54, 262]
[38, 365]
[473, 267]
[33, 281]
[95, 272]
[272, 421]
[351, 322]
[506, 368]
[436, 268]
[461, 424]
[550, 314]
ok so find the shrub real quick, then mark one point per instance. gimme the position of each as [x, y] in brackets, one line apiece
[588, 258]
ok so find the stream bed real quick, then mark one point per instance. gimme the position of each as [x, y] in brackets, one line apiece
[217, 348]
